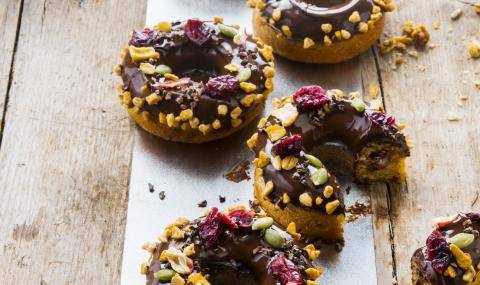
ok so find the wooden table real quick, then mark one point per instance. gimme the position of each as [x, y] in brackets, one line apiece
[66, 143]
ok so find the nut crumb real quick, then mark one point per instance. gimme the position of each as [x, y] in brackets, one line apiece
[456, 14]
[453, 116]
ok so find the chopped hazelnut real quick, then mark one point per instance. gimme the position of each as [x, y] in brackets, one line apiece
[162, 118]
[305, 199]
[330, 207]
[194, 123]
[276, 14]
[236, 122]
[268, 189]
[308, 43]
[186, 115]
[312, 273]
[456, 14]
[286, 31]
[313, 253]
[248, 100]
[474, 50]
[289, 162]
[218, 19]
[363, 27]
[345, 34]
[252, 141]
[263, 159]
[269, 71]
[127, 98]
[261, 123]
[205, 128]
[216, 124]
[285, 198]
[222, 110]
[266, 52]
[142, 53]
[328, 191]
[153, 99]
[327, 41]
[163, 27]
[275, 132]
[170, 76]
[117, 69]
[318, 201]
[354, 17]
[236, 113]
[277, 163]
[248, 87]
[138, 102]
[326, 28]
[292, 229]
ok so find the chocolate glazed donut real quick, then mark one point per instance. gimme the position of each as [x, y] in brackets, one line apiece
[195, 81]
[319, 31]
[237, 244]
[451, 255]
[292, 183]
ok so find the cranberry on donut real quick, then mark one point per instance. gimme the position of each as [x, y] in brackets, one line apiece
[194, 81]
[236, 244]
[306, 136]
[319, 31]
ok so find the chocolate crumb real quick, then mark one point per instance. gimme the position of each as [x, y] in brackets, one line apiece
[349, 187]
[239, 172]
[475, 200]
[221, 199]
[202, 204]
[151, 188]
[357, 210]
[161, 195]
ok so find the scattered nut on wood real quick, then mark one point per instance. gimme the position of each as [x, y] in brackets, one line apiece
[456, 14]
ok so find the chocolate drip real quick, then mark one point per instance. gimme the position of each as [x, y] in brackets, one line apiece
[305, 17]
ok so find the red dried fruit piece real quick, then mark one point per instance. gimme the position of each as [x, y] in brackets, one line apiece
[221, 85]
[226, 220]
[284, 271]
[143, 38]
[475, 217]
[310, 98]
[210, 228]
[438, 252]
[197, 31]
[382, 119]
[288, 146]
[241, 218]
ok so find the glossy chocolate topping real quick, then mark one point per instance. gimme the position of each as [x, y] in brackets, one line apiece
[341, 128]
[242, 251]
[188, 60]
[305, 17]
[462, 224]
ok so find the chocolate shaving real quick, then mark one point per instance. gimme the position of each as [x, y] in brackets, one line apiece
[239, 172]
[358, 210]
[202, 204]
[161, 195]
[151, 188]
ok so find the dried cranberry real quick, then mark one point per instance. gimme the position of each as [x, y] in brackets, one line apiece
[210, 228]
[143, 38]
[310, 98]
[475, 217]
[438, 252]
[241, 218]
[226, 220]
[288, 146]
[382, 119]
[284, 271]
[197, 31]
[221, 85]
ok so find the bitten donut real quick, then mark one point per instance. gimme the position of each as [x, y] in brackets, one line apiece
[195, 81]
[311, 127]
[319, 31]
[237, 244]
[451, 255]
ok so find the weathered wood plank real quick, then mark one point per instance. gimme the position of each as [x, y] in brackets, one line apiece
[443, 170]
[9, 20]
[66, 151]
[378, 192]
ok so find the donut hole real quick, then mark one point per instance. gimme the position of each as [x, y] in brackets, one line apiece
[338, 158]
[321, 3]
[224, 273]
[200, 64]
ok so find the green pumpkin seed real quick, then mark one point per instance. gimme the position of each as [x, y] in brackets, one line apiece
[244, 74]
[274, 239]
[314, 161]
[262, 223]
[319, 177]
[462, 240]
[227, 30]
[164, 274]
[238, 39]
[162, 69]
[358, 105]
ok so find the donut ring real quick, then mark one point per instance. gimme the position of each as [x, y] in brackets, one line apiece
[318, 31]
[291, 182]
[237, 244]
[194, 81]
[451, 254]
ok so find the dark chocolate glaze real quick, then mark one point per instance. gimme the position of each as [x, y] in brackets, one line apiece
[243, 251]
[342, 126]
[198, 63]
[305, 17]
[420, 258]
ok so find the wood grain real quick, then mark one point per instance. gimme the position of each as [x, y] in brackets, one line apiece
[443, 172]
[66, 151]
[9, 20]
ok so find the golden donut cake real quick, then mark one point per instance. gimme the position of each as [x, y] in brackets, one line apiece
[194, 81]
[319, 31]
[236, 244]
[308, 135]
